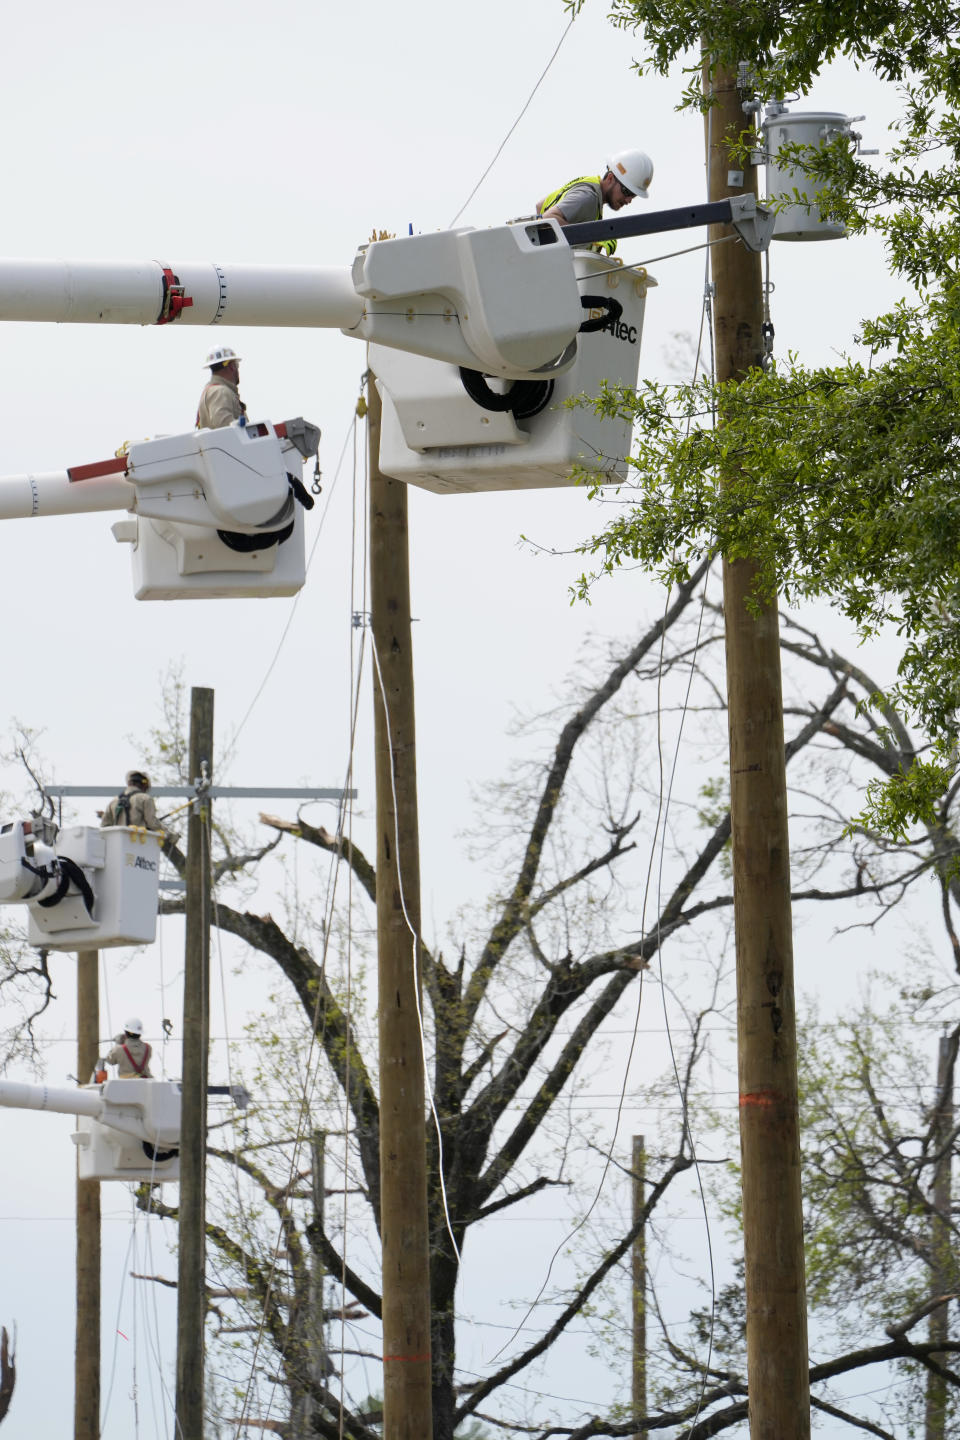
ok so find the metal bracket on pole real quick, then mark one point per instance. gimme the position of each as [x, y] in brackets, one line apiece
[752, 222]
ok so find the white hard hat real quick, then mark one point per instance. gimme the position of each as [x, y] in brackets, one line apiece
[133, 1026]
[221, 355]
[634, 170]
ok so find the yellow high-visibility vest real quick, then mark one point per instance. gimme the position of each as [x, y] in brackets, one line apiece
[607, 246]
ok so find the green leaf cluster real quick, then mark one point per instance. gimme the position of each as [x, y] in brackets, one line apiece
[837, 483]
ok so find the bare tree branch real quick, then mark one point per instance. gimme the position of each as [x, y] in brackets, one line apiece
[333, 844]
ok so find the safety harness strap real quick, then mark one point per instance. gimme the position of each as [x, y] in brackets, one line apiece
[147, 1052]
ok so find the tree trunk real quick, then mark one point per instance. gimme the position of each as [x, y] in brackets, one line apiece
[443, 1350]
[943, 1274]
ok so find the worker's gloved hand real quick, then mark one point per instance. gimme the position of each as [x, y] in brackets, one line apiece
[119, 1039]
[606, 247]
[100, 1075]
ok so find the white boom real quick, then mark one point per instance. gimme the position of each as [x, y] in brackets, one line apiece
[60, 1099]
[146, 1109]
[441, 312]
[146, 292]
[25, 496]
[128, 1130]
[503, 300]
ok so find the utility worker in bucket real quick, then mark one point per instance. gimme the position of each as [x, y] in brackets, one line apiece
[220, 402]
[131, 1054]
[627, 177]
[134, 805]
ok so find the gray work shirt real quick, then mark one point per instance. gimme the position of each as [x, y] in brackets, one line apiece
[582, 202]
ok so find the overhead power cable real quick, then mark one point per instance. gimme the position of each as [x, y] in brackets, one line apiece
[526, 107]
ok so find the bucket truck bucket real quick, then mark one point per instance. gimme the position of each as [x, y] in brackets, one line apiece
[175, 561]
[218, 513]
[438, 436]
[111, 892]
[146, 1148]
[126, 1129]
[502, 300]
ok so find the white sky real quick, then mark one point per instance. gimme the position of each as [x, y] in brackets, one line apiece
[285, 134]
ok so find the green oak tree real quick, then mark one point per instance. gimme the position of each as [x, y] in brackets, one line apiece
[839, 481]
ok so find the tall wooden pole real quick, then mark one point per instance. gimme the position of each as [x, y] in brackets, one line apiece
[943, 1276]
[404, 1235]
[639, 1288]
[86, 1370]
[777, 1366]
[191, 1260]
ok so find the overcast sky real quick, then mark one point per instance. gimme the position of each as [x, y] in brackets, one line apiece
[285, 134]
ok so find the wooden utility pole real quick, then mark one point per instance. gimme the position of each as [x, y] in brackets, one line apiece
[639, 1281]
[943, 1276]
[191, 1259]
[404, 1234]
[777, 1365]
[86, 1369]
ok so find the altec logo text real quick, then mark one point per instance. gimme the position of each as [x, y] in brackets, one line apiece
[620, 330]
[140, 862]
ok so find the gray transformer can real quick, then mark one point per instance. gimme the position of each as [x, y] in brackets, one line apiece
[801, 220]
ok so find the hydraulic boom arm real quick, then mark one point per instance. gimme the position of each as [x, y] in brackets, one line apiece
[503, 301]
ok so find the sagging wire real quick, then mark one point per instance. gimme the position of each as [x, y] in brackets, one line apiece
[141, 1309]
[157, 1355]
[310, 1084]
[153, 1336]
[529, 101]
[105, 1411]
